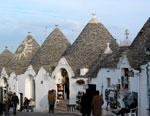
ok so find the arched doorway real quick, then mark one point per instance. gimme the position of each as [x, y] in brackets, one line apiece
[63, 90]
[3, 92]
[30, 87]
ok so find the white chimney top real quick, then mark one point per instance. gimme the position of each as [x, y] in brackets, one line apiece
[6, 47]
[108, 50]
[94, 15]
[94, 19]
[56, 26]
[29, 33]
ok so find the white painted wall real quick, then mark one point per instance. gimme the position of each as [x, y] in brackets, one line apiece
[43, 84]
[115, 76]
[143, 101]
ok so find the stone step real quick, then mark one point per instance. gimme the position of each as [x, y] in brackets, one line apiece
[63, 101]
[61, 106]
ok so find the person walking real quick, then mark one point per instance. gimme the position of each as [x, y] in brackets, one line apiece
[97, 103]
[15, 101]
[51, 99]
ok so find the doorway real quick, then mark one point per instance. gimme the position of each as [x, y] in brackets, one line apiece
[21, 99]
[63, 91]
[92, 89]
[30, 87]
[1, 94]
[3, 86]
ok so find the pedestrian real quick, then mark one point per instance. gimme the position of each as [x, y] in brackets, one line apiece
[97, 103]
[15, 101]
[25, 104]
[86, 103]
[31, 104]
[83, 103]
[51, 99]
[127, 109]
[1, 108]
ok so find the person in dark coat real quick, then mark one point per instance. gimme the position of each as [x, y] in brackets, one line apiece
[83, 110]
[127, 109]
[86, 104]
[1, 108]
[97, 103]
[25, 104]
[15, 101]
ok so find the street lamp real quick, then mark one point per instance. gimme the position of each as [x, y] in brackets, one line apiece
[147, 52]
[7, 103]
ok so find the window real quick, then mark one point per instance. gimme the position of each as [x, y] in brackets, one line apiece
[41, 82]
[108, 82]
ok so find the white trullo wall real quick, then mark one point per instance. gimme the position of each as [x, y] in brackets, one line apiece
[143, 97]
[43, 84]
[115, 76]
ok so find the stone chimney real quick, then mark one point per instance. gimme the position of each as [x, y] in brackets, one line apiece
[94, 19]
[108, 50]
[56, 26]
[29, 33]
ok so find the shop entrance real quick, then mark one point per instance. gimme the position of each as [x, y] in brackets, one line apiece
[63, 85]
[3, 84]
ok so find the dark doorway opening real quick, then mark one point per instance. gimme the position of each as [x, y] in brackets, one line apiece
[1, 94]
[21, 99]
[92, 89]
[65, 82]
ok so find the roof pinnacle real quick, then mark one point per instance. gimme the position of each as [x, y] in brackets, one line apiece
[56, 26]
[126, 33]
[94, 15]
[94, 19]
[107, 50]
[29, 33]
[6, 47]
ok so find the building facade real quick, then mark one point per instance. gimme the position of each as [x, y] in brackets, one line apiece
[94, 61]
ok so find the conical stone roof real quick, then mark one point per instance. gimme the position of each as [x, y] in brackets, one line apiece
[24, 54]
[89, 45]
[5, 58]
[106, 61]
[136, 53]
[51, 51]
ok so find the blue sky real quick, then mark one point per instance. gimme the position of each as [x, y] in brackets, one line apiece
[40, 16]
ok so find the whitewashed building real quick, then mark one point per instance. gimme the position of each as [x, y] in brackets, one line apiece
[95, 59]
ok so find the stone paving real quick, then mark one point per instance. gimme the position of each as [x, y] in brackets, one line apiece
[57, 113]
